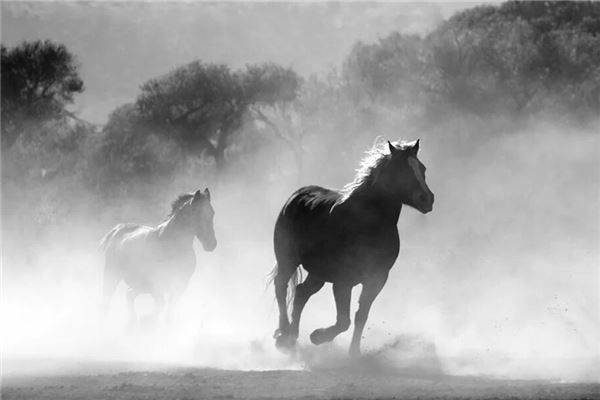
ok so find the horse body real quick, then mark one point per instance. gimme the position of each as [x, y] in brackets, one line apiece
[158, 260]
[346, 237]
[345, 242]
[148, 263]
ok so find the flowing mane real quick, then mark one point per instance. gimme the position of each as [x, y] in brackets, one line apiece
[179, 202]
[370, 167]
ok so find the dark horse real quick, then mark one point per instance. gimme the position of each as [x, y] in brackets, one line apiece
[159, 261]
[346, 237]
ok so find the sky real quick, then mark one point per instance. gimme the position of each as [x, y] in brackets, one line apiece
[120, 45]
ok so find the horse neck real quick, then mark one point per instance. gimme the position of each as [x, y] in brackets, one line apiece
[176, 230]
[376, 201]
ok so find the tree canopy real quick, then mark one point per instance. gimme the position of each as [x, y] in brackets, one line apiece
[38, 80]
[201, 105]
[517, 57]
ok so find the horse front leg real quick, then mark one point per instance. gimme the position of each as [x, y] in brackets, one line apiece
[174, 297]
[151, 320]
[159, 305]
[304, 291]
[370, 290]
[342, 294]
[131, 315]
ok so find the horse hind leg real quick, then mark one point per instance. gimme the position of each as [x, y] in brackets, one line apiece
[110, 281]
[284, 271]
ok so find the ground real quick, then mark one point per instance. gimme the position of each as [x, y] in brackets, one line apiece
[133, 381]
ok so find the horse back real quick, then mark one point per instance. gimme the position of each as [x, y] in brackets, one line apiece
[116, 234]
[146, 261]
[311, 201]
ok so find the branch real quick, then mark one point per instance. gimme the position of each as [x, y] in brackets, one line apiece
[187, 114]
[262, 117]
[83, 121]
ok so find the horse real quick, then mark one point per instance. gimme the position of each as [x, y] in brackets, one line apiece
[346, 237]
[158, 260]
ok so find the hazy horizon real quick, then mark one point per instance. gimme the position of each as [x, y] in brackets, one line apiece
[125, 43]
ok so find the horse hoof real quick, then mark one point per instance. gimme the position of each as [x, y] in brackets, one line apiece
[318, 337]
[285, 343]
[354, 353]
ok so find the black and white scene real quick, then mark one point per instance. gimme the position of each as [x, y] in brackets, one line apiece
[300, 200]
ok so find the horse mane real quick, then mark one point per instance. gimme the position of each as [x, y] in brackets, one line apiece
[370, 167]
[179, 202]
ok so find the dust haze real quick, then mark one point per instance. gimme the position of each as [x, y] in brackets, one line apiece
[500, 280]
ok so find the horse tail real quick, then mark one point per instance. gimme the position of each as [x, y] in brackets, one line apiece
[107, 239]
[295, 280]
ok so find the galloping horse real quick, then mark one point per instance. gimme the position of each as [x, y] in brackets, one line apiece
[346, 237]
[159, 261]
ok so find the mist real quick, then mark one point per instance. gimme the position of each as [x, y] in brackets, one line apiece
[500, 280]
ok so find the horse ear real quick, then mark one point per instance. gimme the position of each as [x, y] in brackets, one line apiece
[197, 196]
[414, 149]
[393, 149]
[207, 193]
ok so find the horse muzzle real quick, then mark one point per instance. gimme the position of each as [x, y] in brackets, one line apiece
[424, 202]
[210, 245]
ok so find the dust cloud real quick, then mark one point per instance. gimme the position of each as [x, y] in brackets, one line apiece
[500, 280]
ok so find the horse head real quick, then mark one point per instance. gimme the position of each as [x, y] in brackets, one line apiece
[202, 219]
[404, 176]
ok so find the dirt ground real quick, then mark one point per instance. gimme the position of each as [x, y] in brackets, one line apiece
[134, 381]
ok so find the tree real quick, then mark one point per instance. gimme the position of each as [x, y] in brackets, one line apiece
[38, 80]
[201, 105]
[517, 58]
[522, 56]
[131, 148]
[391, 69]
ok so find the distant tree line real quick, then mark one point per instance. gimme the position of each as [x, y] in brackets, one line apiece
[517, 58]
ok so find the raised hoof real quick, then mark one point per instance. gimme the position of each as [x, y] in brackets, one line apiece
[319, 336]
